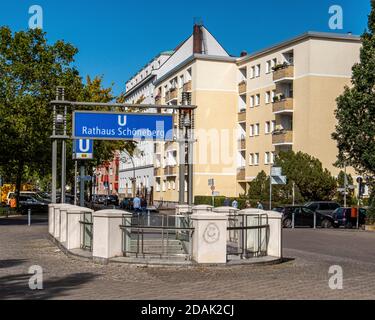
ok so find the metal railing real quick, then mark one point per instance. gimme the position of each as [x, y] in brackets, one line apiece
[86, 230]
[164, 236]
[248, 235]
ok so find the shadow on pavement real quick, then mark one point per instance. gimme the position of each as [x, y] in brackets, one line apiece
[11, 263]
[15, 287]
[22, 220]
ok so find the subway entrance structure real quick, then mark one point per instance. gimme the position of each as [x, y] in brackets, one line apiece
[123, 122]
[194, 234]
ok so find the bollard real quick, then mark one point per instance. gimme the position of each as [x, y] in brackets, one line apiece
[29, 217]
[148, 217]
[293, 214]
[314, 220]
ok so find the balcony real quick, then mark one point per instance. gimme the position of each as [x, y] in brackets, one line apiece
[283, 105]
[187, 86]
[241, 144]
[242, 116]
[158, 100]
[170, 171]
[283, 72]
[282, 137]
[171, 95]
[242, 87]
[157, 172]
[241, 174]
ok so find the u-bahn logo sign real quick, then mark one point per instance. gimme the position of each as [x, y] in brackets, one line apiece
[122, 126]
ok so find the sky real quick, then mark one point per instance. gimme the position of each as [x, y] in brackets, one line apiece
[116, 38]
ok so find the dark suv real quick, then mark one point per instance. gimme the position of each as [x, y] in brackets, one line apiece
[343, 217]
[323, 207]
[303, 217]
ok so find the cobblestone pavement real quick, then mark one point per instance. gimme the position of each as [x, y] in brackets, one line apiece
[305, 276]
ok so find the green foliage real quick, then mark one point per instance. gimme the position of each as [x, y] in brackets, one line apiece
[312, 181]
[31, 69]
[355, 131]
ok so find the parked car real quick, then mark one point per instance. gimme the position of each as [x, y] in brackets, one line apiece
[112, 200]
[303, 217]
[69, 199]
[27, 202]
[323, 207]
[23, 193]
[343, 218]
[99, 199]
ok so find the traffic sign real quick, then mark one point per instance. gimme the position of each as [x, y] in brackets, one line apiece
[278, 180]
[276, 171]
[122, 126]
[83, 149]
[211, 182]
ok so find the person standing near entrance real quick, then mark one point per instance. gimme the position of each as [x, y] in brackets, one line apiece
[259, 206]
[235, 204]
[137, 204]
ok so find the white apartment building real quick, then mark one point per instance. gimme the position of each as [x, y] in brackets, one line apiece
[137, 172]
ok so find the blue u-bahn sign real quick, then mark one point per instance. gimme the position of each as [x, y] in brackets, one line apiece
[122, 126]
[83, 149]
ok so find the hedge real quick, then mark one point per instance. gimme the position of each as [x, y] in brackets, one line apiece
[219, 201]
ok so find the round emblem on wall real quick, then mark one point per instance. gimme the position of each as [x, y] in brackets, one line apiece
[211, 234]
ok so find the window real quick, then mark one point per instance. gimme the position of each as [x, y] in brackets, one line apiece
[169, 185]
[174, 185]
[181, 81]
[257, 70]
[266, 158]
[252, 72]
[256, 159]
[256, 129]
[268, 66]
[251, 101]
[267, 127]
[251, 159]
[272, 157]
[251, 130]
[163, 186]
[257, 100]
[157, 185]
[268, 97]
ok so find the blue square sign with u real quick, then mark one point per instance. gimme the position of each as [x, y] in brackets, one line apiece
[83, 149]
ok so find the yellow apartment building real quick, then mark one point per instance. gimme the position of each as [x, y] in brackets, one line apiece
[250, 108]
[287, 98]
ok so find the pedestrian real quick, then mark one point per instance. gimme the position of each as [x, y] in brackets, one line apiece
[235, 204]
[137, 204]
[226, 202]
[259, 206]
[247, 204]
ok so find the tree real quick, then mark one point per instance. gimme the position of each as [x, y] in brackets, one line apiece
[312, 181]
[30, 70]
[355, 131]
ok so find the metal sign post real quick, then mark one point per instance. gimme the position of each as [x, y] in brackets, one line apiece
[96, 125]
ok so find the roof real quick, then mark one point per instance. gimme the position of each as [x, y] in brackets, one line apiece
[304, 36]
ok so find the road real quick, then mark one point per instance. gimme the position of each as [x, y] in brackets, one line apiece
[304, 275]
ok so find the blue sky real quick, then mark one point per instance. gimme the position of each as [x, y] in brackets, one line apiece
[117, 37]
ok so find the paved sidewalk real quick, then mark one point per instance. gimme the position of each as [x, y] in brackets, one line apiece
[304, 277]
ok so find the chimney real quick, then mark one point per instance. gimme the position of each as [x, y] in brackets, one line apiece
[243, 54]
[197, 39]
